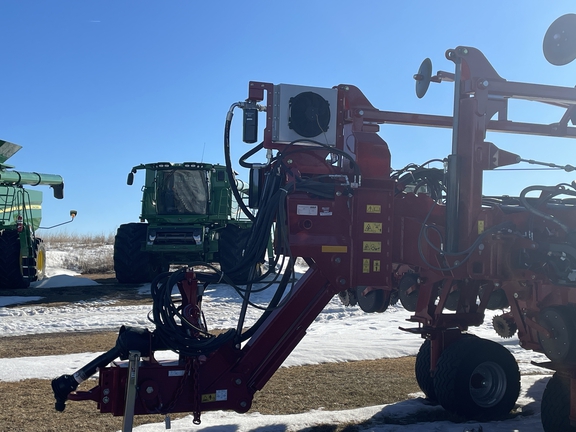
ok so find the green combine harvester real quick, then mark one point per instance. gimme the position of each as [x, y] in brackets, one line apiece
[22, 253]
[187, 216]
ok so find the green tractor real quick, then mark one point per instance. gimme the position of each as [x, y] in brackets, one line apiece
[187, 216]
[22, 253]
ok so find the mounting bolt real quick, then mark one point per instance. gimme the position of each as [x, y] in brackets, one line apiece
[105, 399]
[289, 161]
[496, 284]
[106, 392]
[243, 404]
[238, 381]
[149, 389]
[342, 281]
[337, 260]
[516, 295]
[361, 112]
[483, 83]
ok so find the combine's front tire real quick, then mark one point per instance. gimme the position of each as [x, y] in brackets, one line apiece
[555, 407]
[10, 265]
[477, 378]
[131, 264]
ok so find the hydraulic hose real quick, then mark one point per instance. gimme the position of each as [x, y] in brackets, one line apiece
[229, 170]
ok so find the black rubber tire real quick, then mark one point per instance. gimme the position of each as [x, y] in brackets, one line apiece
[452, 301]
[497, 300]
[555, 406]
[231, 245]
[131, 263]
[422, 371]
[10, 265]
[464, 369]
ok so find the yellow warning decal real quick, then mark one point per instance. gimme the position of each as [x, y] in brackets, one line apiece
[335, 249]
[480, 226]
[220, 395]
[210, 397]
[372, 228]
[366, 265]
[371, 246]
[376, 266]
[373, 208]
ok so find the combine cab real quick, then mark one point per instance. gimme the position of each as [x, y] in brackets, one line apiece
[187, 216]
[22, 254]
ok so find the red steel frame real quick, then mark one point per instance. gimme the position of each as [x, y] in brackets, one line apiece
[343, 254]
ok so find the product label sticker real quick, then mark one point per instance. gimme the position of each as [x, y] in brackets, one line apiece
[365, 265]
[372, 246]
[372, 228]
[373, 208]
[307, 210]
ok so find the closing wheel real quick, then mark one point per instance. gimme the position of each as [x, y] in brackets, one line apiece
[422, 371]
[477, 378]
[561, 344]
[372, 300]
[408, 291]
[555, 405]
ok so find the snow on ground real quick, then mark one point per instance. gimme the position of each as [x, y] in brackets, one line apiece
[338, 334]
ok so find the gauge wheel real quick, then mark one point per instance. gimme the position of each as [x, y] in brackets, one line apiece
[555, 407]
[477, 378]
[422, 371]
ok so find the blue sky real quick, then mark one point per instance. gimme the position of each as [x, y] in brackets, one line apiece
[91, 88]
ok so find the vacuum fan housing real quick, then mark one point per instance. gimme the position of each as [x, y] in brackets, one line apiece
[304, 113]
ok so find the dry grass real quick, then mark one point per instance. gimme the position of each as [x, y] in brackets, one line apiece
[86, 253]
[29, 406]
[64, 238]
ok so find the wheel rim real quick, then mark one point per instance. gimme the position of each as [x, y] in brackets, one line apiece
[487, 384]
[41, 264]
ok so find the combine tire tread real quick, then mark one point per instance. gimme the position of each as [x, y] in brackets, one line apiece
[131, 264]
[10, 267]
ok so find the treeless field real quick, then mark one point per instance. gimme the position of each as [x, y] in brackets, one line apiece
[29, 405]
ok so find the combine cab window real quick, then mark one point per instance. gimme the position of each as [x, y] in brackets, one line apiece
[182, 192]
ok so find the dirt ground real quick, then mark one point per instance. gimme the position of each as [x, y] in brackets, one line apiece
[29, 405]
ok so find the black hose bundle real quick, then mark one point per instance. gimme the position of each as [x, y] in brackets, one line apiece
[172, 328]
